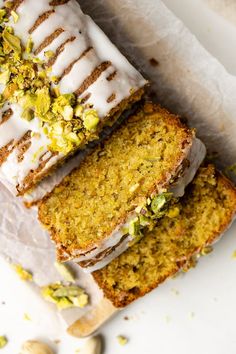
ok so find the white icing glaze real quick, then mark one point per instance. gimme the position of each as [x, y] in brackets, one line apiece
[73, 22]
[195, 154]
[14, 128]
[16, 171]
[28, 12]
[85, 67]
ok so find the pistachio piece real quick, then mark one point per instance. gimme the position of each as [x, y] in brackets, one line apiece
[35, 347]
[122, 340]
[68, 291]
[22, 273]
[134, 227]
[12, 41]
[3, 341]
[159, 201]
[29, 45]
[92, 346]
[15, 16]
[43, 102]
[65, 296]
[65, 271]
[90, 119]
[49, 54]
[5, 76]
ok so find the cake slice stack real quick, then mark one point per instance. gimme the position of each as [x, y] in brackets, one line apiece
[123, 187]
[204, 213]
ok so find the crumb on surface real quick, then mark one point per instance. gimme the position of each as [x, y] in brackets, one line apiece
[26, 317]
[3, 342]
[154, 62]
[126, 318]
[122, 340]
[57, 341]
[167, 319]
[234, 254]
[191, 315]
[175, 291]
[23, 274]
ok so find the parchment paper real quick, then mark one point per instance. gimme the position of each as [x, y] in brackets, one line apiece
[186, 79]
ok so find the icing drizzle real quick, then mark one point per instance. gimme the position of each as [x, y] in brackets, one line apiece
[83, 48]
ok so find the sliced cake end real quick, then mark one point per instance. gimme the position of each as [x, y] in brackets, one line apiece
[204, 213]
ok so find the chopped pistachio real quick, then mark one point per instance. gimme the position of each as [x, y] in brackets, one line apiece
[65, 271]
[11, 40]
[29, 45]
[67, 113]
[24, 275]
[5, 76]
[159, 201]
[15, 16]
[8, 4]
[68, 291]
[26, 317]
[49, 54]
[65, 296]
[122, 340]
[2, 15]
[42, 103]
[54, 79]
[80, 301]
[134, 227]
[28, 114]
[79, 110]
[3, 342]
[90, 119]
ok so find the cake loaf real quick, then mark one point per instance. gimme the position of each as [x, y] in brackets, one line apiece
[205, 212]
[126, 184]
[61, 82]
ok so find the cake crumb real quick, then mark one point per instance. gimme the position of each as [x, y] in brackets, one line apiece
[57, 341]
[206, 250]
[122, 340]
[126, 318]
[234, 254]
[154, 62]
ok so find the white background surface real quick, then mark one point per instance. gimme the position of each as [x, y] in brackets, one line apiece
[201, 318]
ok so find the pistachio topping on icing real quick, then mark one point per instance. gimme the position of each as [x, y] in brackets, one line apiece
[65, 119]
[65, 296]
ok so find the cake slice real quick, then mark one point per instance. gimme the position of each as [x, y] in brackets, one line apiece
[126, 184]
[204, 213]
[61, 82]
